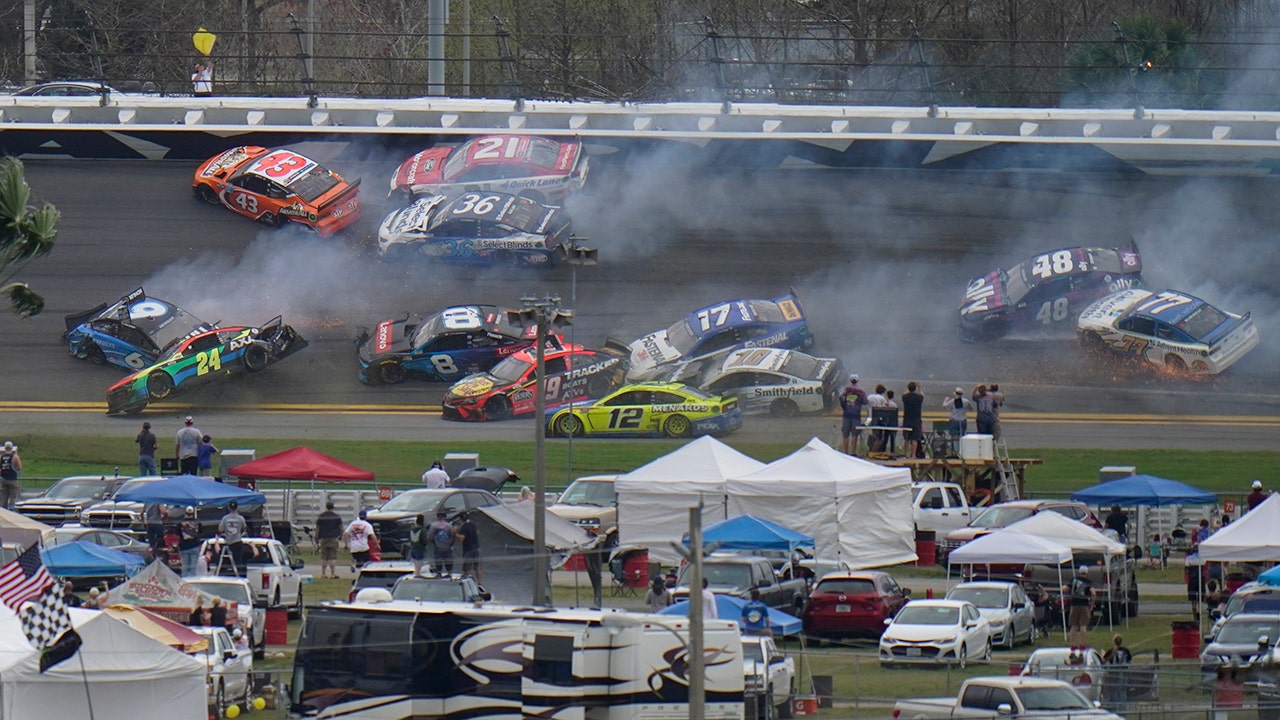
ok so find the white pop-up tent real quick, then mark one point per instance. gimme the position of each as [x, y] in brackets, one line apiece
[1082, 539]
[652, 499]
[858, 512]
[1252, 538]
[123, 673]
[1010, 546]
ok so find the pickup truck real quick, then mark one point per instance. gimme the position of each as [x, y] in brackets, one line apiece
[271, 572]
[252, 620]
[229, 671]
[939, 507]
[738, 575]
[590, 502]
[1003, 697]
[439, 589]
[768, 674]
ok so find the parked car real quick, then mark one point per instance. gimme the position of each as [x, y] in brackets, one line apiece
[392, 521]
[1007, 513]
[106, 538]
[1005, 697]
[381, 574]
[1005, 606]
[738, 575]
[1249, 598]
[1084, 671]
[769, 675]
[936, 631]
[63, 502]
[438, 589]
[272, 573]
[591, 502]
[853, 604]
[229, 670]
[1242, 639]
[251, 619]
[939, 507]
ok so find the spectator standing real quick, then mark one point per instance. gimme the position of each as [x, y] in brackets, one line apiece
[435, 477]
[1257, 497]
[328, 532]
[232, 528]
[1080, 598]
[997, 399]
[1117, 654]
[852, 400]
[186, 447]
[875, 399]
[147, 445]
[189, 541]
[154, 514]
[890, 436]
[217, 613]
[443, 538]
[202, 78]
[469, 535]
[913, 418]
[1118, 520]
[985, 406]
[197, 618]
[709, 609]
[657, 598]
[755, 616]
[10, 468]
[418, 543]
[1155, 552]
[958, 407]
[358, 534]
[204, 456]
[69, 597]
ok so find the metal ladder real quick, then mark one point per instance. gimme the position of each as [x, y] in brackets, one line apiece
[225, 558]
[1008, 477]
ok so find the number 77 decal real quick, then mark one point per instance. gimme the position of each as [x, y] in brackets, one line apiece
[1161, 302]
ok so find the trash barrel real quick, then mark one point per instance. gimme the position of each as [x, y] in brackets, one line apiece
[277, 626]
[926, 548]
[824, 688]
[1186, 640]
[635, 570]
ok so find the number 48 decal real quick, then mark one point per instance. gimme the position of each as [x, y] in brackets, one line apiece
[1053, 311]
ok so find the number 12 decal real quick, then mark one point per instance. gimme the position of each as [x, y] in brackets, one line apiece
[625, 418]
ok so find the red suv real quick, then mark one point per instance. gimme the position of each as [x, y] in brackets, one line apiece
[1007, 513]
[852, 604]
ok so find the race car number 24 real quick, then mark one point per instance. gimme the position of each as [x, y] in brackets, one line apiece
[207, 361]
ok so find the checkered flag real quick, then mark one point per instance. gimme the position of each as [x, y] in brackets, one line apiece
[48, 626]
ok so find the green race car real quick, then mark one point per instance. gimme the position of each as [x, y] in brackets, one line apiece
[201, 358]
[649, 410]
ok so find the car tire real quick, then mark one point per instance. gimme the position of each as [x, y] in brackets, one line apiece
[93, 353]
[568, 425]
[1092, 343]
[392, 372]
[506, 259]
[220, 700]
[785, 710]
[1033, 635]
[296, 611]
[677, 426]
[1175, 364]
[498, 408]
[270, 220]
[159, 384]
[784, 408]
[1010, 637]
[986, 653]
[598, 387]
[962, 657]
[994, 329]
[254, 358]
[205, 194]
[133, 408]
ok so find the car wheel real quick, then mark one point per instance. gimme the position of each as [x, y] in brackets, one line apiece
[994, 328]
[1173, 363]
[986, 652]
[505, 258]
[219, 699]
[254, 358]
[159, 384]
[133, 408]
[271, 220]
[94, 354]
[598, 387]
[677, 426]
[1010, 637]
[962, 658]
[784, 408]
[1092, 343]
[1033, 635]
[785, 709]
[498, 408]
[204, 193]
[392, 372]
[568, 425]
[296, 611]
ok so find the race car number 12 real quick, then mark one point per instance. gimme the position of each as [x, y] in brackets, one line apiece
[209, 360]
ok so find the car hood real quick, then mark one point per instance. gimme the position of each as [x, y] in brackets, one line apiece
[574, 513]
[649, 352]
[49, 502]
[965, 534]
[1240, 650]
[423, 168]
[995, 616]
[918, 633]
[477, 385]
[389, 337]
[983, 295]
[1103, 313]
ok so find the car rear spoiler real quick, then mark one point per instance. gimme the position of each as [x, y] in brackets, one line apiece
[617, 347]
[76, 320]
[350, 191]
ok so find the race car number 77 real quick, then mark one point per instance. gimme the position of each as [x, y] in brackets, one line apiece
[1161, 302]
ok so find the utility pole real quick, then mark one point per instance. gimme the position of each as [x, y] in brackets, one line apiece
[697, 657]
[437, 16]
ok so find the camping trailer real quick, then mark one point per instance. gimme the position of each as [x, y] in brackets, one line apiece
[396, 660]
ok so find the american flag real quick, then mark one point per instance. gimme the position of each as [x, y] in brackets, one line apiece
[23, 579]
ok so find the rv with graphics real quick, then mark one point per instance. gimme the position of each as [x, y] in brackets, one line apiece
[395, 660]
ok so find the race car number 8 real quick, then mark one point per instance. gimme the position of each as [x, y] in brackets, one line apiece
[444, 364]
[460, 318]
[1049, 265]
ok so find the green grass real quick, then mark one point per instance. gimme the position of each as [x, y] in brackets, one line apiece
[53, 456]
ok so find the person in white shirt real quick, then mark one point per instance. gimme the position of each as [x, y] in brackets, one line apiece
[435, 477]
[358, 535]
[709, 611]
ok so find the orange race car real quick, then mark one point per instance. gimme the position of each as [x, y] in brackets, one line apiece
[278, 186]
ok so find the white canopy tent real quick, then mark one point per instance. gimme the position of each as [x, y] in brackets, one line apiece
[1011, 546]
[122, 672]
[858, 512]
[1252, 538]
[1081, 539]
[651, 498]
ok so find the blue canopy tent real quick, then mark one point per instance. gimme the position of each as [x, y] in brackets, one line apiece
[1271, 577]
[84, 559]
[1144, 490]
[729, 607]
[191, 490]
[747, 532]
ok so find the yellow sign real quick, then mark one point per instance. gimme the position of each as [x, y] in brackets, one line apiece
[204, 40]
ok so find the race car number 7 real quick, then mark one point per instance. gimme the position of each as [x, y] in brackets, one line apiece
[713, 317]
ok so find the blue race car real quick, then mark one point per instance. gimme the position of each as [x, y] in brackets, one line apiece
[447, 346]
[1045, 294]
[778, 323]
[133, 333]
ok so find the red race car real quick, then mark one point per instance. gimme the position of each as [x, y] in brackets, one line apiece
[538, 168]
[573, 373]
[278, 186]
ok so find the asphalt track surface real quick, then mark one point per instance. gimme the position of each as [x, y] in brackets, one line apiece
[880, 260]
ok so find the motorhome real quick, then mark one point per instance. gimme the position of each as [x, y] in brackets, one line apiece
[385, 659]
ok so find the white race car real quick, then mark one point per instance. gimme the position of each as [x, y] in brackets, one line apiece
[1170, 329]
[781, 383]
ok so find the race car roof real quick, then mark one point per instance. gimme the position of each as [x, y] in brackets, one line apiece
[735, 313]
[521, 213]
[160, 319]
[530, 150]
[1167, 306]
[486, 318]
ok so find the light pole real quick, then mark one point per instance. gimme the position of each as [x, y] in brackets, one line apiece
[576, 256]
[544, 315]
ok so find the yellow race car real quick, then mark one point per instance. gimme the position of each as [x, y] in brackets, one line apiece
[649, 410]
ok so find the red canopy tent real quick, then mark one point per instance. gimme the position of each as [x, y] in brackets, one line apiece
[300, 463]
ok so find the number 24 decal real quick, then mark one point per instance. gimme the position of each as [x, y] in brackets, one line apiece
[208, 361]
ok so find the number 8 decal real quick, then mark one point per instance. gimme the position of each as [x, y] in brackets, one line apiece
[444, 364]
[460, 318]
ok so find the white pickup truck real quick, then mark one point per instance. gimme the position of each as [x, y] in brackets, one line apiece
[251, 619]
[272, 574]
[1004, 697]
[230, 671]
[768, 674]
[939, 507]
